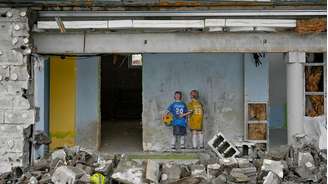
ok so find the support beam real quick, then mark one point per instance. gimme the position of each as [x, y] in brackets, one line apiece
[208, 13]
[97, 43]
[295, 94]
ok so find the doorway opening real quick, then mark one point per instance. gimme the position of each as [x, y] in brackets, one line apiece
[121, 104]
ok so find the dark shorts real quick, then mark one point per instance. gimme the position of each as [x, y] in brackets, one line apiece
[179, 130]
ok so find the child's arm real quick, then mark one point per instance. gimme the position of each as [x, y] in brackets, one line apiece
[186, 112]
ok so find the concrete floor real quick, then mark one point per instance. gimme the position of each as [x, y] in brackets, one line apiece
[125, 136]
[122, 136]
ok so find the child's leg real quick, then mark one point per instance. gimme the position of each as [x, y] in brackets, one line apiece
[173, 141]
[201, 139]
[182, 141]
[194, 139]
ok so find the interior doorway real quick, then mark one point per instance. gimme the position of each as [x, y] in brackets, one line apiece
[121, 104]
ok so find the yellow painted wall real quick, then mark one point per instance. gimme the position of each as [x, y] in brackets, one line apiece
[62, 101]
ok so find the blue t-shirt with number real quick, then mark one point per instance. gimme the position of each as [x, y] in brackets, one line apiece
[177, 108]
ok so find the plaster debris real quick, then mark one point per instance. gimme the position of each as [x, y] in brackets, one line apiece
[274, 166]
[271, 178]
[299, 163]
[129, 172]
[243, 162]
[198, 171]
[152, 171]
[59, 154]
[239, 177]
[171, 172]
[67, 175]
[213, 170]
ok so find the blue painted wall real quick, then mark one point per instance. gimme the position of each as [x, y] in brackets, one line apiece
[256, 79]
[277, 90]
[219, 79]
[87, 103]
[41, 97]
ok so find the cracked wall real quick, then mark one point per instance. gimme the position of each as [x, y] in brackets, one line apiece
[16, 109]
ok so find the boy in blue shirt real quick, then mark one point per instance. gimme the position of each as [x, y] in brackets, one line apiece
[179, 111]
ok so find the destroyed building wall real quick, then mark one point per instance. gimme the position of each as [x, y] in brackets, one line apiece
[219, 79]
[16, 109]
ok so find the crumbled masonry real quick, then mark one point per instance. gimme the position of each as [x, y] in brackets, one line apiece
[299, 163]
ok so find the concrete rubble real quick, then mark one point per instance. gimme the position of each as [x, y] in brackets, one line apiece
[299, 163]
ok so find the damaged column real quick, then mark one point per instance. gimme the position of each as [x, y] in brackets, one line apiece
[16, 112]
[295, 94]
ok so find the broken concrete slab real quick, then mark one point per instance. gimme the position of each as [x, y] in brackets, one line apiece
[129, 171]
[243, 162]
[250, 172]
[170, 172]
[41, 164]
[221, 179]
[105, 167]
[58, 154]
[213, 170]
[45, 179]
[274, 166]
[87, 169]
[198, 170]
[239, 177]
[306, 166]
[67, 175]
[278, 153]
[305, 158]
[191, 180]
[33, 180]
[271, 178]
[229, 162]
[152, 171]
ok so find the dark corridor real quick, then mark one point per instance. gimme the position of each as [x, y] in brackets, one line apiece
[121, 105]
[121, 89]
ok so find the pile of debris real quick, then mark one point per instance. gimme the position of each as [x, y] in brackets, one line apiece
[63, 166]
[300, 163]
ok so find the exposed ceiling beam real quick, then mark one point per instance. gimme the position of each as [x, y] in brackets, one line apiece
[218, 13]
[168, 24]
[99, 43]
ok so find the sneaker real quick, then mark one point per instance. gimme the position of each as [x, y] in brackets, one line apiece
[173, 148]
[182, 147]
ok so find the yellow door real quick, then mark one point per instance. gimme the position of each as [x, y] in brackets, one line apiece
[62, 101]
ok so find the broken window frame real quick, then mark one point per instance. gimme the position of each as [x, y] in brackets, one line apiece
[266, 122]
[321, 93]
